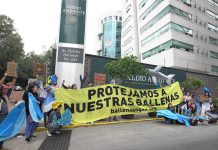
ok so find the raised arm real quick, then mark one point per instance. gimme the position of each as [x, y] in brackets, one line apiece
[3, 79]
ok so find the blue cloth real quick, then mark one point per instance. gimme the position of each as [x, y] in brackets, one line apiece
[65, 119]
[168, 114]
[13, 122]
[34, 108]
[49, 98]
[30, 126]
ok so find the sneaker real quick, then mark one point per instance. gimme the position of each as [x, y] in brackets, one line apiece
[57, 132]
[28, 140]
[33, 136]
[48, 133]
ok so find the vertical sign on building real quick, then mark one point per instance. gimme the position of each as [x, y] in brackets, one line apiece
[70, 55]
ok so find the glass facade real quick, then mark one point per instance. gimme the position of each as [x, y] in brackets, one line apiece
[164, 12]
[213, 3]
[149, 10]
[169, 27]
[213, 41]
[212, 15]
[127, 20]
[168, 45]
[212, 27]
[213, 54]
[142, 4]
[214, 68]
[112, 37]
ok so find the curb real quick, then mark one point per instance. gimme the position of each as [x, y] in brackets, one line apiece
[40, 129]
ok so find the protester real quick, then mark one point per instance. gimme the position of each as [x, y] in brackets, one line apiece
[5, 92]
[55, 114]
[47, 103]
[213, 114]
[73, 86]
[30, 124]
[196, 118]
[114, 117]
[188, 108]
[206, 103]
[172, 109]
[187, 97]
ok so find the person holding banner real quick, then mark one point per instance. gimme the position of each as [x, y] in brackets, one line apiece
[5, 92]
[47, 103]
[30, 124]
[172, 109]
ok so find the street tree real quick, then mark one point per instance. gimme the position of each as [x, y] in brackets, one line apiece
[11, 46]
[192, 84]
[125, 68]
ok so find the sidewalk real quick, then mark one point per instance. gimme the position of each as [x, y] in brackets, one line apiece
[18, 142]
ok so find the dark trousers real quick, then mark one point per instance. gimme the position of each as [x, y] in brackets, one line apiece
[46, 115]
[30, 127]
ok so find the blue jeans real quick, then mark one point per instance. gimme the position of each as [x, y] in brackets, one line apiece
[1, 143]
[30, 126]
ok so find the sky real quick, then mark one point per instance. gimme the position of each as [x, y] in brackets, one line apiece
[37, 21]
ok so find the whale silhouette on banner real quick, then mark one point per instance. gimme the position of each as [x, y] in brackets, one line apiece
[13, 122]
[34, 108]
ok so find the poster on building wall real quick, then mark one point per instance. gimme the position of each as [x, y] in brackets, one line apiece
[99, 79]
[71, 55]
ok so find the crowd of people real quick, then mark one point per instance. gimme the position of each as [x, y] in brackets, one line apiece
[200, 108]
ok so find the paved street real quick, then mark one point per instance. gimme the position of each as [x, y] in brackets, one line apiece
[149, 135]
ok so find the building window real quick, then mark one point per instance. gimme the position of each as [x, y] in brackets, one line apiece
[214, 69]
[128, 8]
[150, 9]
[213, 54]
[168, 45]
[187, 2]
[212, 15]
[128, 51]
[164, 12]
[109, 18]
[169, 27]
[105, 19]
[213, 3]
[142, 4]
[127, 20]
[212, 27]
[213, 41]
[127, 31]
[127, 41]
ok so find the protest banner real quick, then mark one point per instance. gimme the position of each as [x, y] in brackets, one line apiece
[99, 79]
[12, 69]
[94, 103]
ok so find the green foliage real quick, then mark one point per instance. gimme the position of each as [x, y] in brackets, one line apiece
[192, 84]
[11, 49]
[125, 67]
[11, 46]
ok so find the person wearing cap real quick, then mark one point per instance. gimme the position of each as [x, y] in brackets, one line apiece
[5, 92]
[30, 124]
[47, 103]
[55, 113]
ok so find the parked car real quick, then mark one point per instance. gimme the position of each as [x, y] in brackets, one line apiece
[18, 88]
